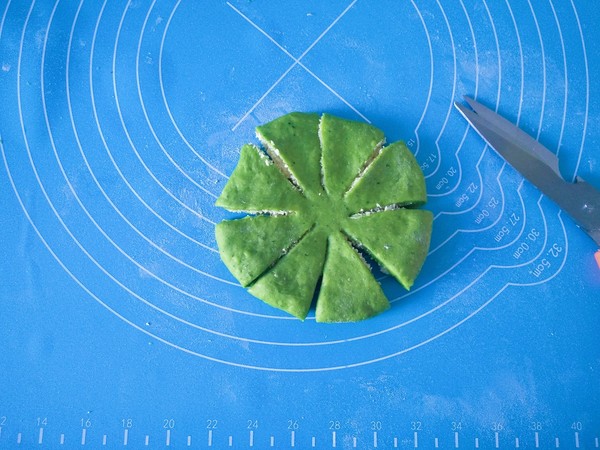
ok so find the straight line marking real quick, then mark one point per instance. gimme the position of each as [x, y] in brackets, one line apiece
[293, 439]
[260, 100]
[537, 440]
[0, 431]
[576, 439]
[168, 439]
[416, 439]
[104, 440]
[62, 439]
[296, 60]
[272, 441]
[189, 441]
[327, 30]
[210, 438]
[333, 439]
[125, 436]
[354, 442]
[375, 439]
[41, 436]
[597, 442]
[456, 439]
[436, 442]
[517, 442]
[556, 442]
[476, 442]
[251, 438]
[314, 441]
[19, 437]
[395, 442]
[83, 435]
[497, 439]
[263, 32]
[231, 441]
[147, 440]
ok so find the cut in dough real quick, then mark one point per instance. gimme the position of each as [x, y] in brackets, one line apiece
[251, 245]
[257, 185]
[295, 139]
[397, 239]
[349, 291]
[346, 147]
[326, 188]
[290, 284]
[393, 178]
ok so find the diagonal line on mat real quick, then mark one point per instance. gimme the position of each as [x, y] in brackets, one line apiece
[297, 61]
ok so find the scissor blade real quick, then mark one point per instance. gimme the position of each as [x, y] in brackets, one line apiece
[517, 135]
[580, 199]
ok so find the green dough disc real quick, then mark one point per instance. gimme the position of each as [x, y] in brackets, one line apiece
[290, 284]
[295, 139]
[251, 245]
[337, 188]
[347, 146]
[349, 292]
[393, 178]
[397, 239]
[257, 185]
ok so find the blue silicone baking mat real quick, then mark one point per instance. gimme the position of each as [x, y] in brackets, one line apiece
[120, 123]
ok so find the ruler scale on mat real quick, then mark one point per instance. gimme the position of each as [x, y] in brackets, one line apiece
[121, 327]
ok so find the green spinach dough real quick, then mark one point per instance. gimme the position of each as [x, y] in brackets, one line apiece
[324, 190]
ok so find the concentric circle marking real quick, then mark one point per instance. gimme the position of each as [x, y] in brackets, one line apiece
[190, 303]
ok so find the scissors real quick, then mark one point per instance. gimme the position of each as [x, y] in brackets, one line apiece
[538, 165]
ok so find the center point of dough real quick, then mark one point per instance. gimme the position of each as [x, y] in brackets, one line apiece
[330, 212]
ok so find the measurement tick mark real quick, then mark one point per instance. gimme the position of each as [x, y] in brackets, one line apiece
[147, 440]
[293, 439]
[168, 438]
[537, 440]
[251, 438]
[83, 435]
[231, 441]
[597, 442]
[272, 441]
[497, 439]
[189, 441]
[556, 442]
[456, 439]
[210, 438]
[41, 436]
[104, 440]
[333, 439]
[517, 442]
[375, 439]
[314, 441]
[576, 439]
[62, 439]
[19, 437]
[436, 442]
[416, 439]
[354, 442]
[476, 442]
[125, 437]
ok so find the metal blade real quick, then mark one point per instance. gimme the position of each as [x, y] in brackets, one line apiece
[580, 200]
[517, 135]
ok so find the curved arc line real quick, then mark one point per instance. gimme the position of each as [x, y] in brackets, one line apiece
[145, 112]
[166, 103]
[126, 131]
